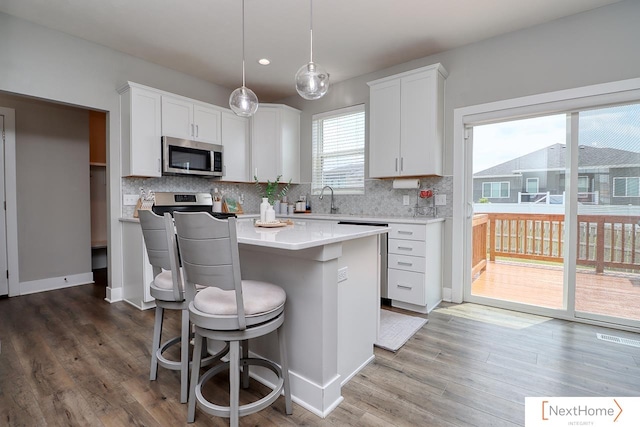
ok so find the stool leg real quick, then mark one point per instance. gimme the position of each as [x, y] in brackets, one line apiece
[234, 382]
[157, 332]
[284, 364]
[245, 366]
[195, 376]
[184, 357]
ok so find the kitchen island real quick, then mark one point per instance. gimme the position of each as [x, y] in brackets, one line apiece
[331, 321]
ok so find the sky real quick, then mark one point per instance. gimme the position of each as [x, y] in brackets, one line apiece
[616, 127]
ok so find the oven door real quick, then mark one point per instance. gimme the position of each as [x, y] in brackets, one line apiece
[185, 157]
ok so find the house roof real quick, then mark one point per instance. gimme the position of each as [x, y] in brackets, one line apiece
[553, 157]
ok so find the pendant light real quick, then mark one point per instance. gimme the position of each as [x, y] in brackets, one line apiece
[312, 81]
[243, 101]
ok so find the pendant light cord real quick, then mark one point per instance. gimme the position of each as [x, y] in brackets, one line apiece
[243, 83]
[310, 29]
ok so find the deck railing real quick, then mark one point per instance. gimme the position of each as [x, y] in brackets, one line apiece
[604, 241]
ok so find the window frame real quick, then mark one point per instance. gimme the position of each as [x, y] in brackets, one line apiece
[537, 180]
[317, 129]
[500, 196]
[626, 186]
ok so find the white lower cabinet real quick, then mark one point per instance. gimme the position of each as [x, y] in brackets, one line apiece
[414, 270]
[137, 272]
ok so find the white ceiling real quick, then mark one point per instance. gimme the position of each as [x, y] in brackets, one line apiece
[351, 37]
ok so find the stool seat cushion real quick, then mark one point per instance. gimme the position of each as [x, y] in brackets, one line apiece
[164, 280]
[259, 298]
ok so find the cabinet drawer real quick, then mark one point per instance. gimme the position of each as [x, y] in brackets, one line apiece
[407, 231]
[404, 262]
[407, 247]
[407, 286]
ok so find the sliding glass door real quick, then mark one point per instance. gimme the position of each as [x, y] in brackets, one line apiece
[607, 282]
[556, 214]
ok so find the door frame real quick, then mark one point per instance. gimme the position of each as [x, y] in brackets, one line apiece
[543, 104]
[11, 199]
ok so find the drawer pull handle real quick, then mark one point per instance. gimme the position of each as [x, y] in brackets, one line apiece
[405, 286]
[408, 264]
[405, 232]
[405, 248]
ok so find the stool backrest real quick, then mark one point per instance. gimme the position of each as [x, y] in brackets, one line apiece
[162, 249]
[209, 254]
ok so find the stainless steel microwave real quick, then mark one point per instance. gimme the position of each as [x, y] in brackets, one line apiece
[194, 158]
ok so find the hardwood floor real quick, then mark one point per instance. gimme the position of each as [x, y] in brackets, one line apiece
[70, 358]
[604, 294]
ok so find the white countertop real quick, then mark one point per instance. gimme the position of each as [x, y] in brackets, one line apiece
[365, 218]
[302, 234]
[340, 217]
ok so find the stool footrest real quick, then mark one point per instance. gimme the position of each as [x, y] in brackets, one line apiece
[249, 408]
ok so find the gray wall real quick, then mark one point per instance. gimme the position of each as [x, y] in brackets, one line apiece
[51, 65]
[52, 153]
[589, 48]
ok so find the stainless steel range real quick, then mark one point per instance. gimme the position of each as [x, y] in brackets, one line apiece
[186, 202]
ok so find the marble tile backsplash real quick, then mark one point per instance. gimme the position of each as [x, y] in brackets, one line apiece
[380, 198]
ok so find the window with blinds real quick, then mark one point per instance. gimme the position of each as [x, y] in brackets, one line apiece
[338, 150]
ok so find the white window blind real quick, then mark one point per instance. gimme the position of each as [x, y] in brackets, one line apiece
[338, 150]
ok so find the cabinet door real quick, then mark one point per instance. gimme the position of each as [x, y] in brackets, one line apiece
[384, 129]
[145, 148]
[420, 149]
[207, 124]
[265, 143]
[235, 140]
[177, 118]
[290, 146]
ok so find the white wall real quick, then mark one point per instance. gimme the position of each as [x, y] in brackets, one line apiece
[585, 49]
[51, 65]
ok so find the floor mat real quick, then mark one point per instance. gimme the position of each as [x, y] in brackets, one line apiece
[396, 329]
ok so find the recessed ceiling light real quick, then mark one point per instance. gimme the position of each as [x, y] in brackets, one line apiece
[264, 61]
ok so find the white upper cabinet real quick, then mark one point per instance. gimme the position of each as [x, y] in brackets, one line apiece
[184, 118]
[140, 131]
[235, 140]
[406, 123]
[275, 143]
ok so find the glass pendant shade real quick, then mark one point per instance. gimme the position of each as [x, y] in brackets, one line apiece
[243, 102]
[312, 81]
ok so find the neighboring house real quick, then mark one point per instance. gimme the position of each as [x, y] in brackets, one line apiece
[606, 176]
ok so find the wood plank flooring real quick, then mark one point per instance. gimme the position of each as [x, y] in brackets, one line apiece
[68, 358]
[604, 294]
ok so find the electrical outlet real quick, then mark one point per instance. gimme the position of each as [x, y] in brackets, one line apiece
[342, 274]
[441, 199]
[405, 200]
[130, 199]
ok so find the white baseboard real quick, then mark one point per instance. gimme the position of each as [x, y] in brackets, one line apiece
[321, 400]
[113, 294]
[53, 283]
[357, 371]
[446, 294]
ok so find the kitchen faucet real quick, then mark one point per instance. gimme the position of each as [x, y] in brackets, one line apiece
[333, 209]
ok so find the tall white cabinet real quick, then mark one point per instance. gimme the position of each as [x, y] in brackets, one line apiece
[406, 123]
[140, 131]
[275, 143]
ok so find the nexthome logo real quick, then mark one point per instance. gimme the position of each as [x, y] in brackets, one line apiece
[582, 411]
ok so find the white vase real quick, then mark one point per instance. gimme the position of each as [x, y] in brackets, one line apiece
[263, 208]
[270, 214]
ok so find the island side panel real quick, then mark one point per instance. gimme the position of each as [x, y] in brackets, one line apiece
[358, 305]
[309, 277]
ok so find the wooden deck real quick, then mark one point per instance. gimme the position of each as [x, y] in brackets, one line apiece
[605, 294]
